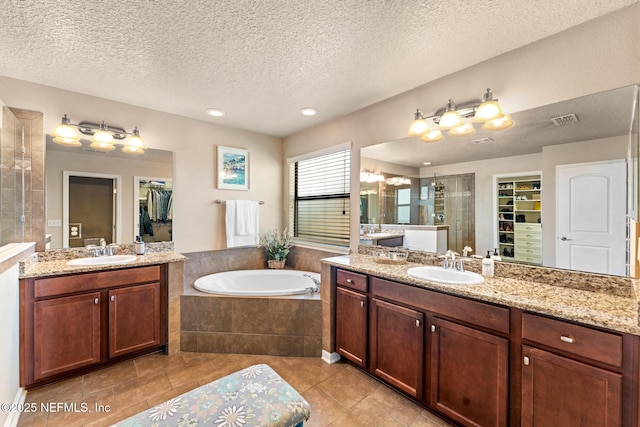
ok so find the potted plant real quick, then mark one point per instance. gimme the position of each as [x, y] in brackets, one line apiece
[276, 247]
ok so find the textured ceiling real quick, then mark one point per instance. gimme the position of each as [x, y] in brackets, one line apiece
[263, 60]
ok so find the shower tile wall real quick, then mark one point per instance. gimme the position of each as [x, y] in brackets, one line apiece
[458, 193]
[11, 163]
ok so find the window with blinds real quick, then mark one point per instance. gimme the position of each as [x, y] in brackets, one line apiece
[319, 198]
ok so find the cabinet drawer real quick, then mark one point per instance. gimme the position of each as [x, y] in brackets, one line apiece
[472, 312]
[529, 239]
[533, 259]
[583, 341]
[60, 285]
[527, 251]
[352, 280]
[524, 228]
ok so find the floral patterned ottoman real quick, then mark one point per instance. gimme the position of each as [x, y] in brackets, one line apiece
[254, 396]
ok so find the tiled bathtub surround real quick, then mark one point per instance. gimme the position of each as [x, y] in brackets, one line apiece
[279, 326]
[273, 326]
[208, 262]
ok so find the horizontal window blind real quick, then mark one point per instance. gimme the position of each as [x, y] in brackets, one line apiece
[319, 198]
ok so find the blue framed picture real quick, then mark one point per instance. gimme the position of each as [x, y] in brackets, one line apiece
[233, 168]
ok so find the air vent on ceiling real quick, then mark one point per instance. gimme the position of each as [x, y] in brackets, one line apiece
[567, 119]
[481, 140]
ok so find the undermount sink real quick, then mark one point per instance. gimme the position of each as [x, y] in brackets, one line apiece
[103, 260]
[445, 275]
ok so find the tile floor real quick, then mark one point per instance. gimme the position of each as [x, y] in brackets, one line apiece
[339, 394]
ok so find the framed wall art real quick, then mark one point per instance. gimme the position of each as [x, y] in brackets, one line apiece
[233, 168]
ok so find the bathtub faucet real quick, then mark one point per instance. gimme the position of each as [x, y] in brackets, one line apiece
[315, 288]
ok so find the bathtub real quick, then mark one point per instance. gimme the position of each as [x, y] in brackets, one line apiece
[259, 283]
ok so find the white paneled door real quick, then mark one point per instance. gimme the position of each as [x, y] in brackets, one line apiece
[591, 209]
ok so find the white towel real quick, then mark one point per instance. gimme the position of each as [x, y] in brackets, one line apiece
[242, 223]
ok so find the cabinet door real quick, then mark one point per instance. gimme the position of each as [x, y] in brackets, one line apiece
[397, 346]
[469, 374]
[134, 318]
[351, 326]
[66, 334]
[557, 391]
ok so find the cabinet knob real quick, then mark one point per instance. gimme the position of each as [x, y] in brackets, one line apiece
[417, 323]
[113, 297]
[433, 328]
[96, 301]
[361, 303]
[526, 361]
[349, 281]
[567, 339]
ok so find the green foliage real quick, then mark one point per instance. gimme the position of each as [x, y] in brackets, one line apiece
[276, 245]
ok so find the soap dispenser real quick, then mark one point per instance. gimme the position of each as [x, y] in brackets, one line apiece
[496, 256]
[139, 246]
[487, 265]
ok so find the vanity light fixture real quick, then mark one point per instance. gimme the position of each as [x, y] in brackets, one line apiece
[457, 119]
[451, 118]
[370, 176]
[397, 180]
[104, 137]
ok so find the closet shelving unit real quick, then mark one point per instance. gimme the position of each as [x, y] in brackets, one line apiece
[438, 203]
[519, 201]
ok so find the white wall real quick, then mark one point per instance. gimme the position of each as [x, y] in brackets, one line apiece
[198, 221]
[10, 391]
[596, 56]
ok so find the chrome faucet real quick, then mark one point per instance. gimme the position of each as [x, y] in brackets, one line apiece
[103, 249]
[450, 261]
[315, 288]
[452, 256]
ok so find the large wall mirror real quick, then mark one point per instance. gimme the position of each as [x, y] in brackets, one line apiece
[115, 196]
[555, 164]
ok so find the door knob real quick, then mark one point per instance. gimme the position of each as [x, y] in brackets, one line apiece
[563, 238]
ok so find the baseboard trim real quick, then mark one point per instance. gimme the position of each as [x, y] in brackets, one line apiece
[18, 401]
[330, 358]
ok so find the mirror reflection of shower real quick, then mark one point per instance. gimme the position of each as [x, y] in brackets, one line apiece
[450, 200]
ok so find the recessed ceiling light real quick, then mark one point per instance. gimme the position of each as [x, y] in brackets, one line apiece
[215, 112]
[426, 163]
[309, 111]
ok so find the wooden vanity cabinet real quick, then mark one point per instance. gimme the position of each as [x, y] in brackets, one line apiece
[572, 375]
[66, 334]
[134, 319]
[397, 346]
[351, 326]
[352, 319]
[481, 364]
[71, 324]
[448, 352]
[469, 374]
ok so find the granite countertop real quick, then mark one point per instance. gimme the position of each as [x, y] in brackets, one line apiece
[607, 310]
[54, 262]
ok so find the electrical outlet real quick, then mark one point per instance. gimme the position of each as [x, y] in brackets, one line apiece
[54, 223]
